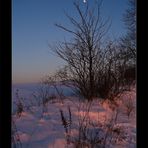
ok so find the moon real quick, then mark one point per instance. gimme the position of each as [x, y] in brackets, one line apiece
[84, 1]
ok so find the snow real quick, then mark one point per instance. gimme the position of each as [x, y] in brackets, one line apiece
[45, 130]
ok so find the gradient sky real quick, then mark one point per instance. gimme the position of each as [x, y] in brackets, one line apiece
[33, 29]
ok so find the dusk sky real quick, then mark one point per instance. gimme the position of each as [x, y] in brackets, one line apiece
[33, 29]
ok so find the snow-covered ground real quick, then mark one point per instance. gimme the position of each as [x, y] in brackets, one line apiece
[38, 129]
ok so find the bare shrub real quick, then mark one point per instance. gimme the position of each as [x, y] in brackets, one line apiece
[22, 104]
[44, 96]
[53, 81]
[67, 124]
[92, 134]
[129, 105]
[15, 138]
[48, 92]
[19, 104]
[128, 75]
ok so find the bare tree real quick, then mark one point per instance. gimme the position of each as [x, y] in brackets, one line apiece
[84, 54]
[128, 42]
[116, 75]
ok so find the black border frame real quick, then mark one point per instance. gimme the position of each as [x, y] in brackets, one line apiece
[5, 73]
[142, 74]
